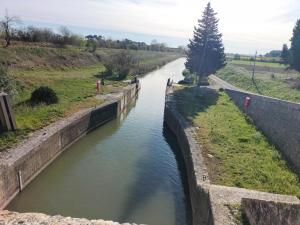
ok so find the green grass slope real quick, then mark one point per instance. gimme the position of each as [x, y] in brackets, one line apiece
[72, 72]
[236, 153]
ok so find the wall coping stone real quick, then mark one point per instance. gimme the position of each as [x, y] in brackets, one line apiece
[13, 218]
[261, 212]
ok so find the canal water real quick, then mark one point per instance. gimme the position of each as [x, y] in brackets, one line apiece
[129, 170]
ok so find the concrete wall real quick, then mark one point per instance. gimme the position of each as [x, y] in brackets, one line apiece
[261, 212]
[210, 203]
[13, 218]
[20, 165]
[278, 120]
[195, 167]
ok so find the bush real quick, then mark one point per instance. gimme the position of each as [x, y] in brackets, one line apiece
[123, 72]
[5, 80]
[119, 66]
[186, 73]
[43, 94]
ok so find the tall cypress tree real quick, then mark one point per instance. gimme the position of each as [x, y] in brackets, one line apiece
[295, 47]
[206, 51]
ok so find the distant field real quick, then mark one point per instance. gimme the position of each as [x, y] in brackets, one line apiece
[258, 63]
[270, 81]
[71, 72]
[236, 153]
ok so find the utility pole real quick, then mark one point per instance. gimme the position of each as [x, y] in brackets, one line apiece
[254, 65]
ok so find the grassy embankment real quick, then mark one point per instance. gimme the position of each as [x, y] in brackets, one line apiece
[71, 72]
[236, 153]
[258, 63]
[271, 79]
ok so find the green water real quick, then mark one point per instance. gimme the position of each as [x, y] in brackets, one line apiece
[129, 170]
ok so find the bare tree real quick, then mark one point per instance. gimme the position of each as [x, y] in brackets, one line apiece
[6, 24]
[66, 35]
[65, 31]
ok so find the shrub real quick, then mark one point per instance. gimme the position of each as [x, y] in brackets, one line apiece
[5, 80]
[109, 69]
[119, 66]
[43, 94]
[186, 73]
[123, 72]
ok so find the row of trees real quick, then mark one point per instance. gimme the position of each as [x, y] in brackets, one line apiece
[64, 36]
[292, 56]
[94, 41]
[35, 34]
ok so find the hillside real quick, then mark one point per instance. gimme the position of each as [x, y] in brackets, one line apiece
[72, 72]
[34, 56]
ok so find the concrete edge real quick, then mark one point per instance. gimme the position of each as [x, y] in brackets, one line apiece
[20, 165]
[196, 170]
[14, 218]
[216, 199]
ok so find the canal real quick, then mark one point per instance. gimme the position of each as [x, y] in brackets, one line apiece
[129, 170]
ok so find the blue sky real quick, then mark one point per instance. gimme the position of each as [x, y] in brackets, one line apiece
[246, 25]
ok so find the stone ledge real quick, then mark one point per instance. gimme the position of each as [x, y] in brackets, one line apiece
[215, 198]
[221, 197]
[261, 212]
[195, 167]
[13, 218]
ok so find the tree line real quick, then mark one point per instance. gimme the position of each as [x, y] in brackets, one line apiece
[9, 31]
[94, 41]
[291, 56]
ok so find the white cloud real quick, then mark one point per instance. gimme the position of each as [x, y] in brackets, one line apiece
[247, 25]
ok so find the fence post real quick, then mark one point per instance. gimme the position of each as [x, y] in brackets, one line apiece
[7, 118]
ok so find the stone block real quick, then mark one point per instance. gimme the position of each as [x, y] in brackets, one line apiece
[261, 212]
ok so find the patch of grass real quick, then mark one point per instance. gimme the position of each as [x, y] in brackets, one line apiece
[237, 214]
[75, 90]
[71, 72]
[266, 85]
[241, 155]
[258, 63]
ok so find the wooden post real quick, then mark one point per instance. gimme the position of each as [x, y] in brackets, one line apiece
[20, 180]
[7, 118]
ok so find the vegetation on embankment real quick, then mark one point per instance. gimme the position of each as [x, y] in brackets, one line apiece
[274, 82]
[37, 56]
[258, 63]
[235, 152]
[71, 72]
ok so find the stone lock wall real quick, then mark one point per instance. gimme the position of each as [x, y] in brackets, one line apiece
[195, 167]
[279, 121]
[209, 202]
[261, 212]
[20, 165]
[13, 218]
